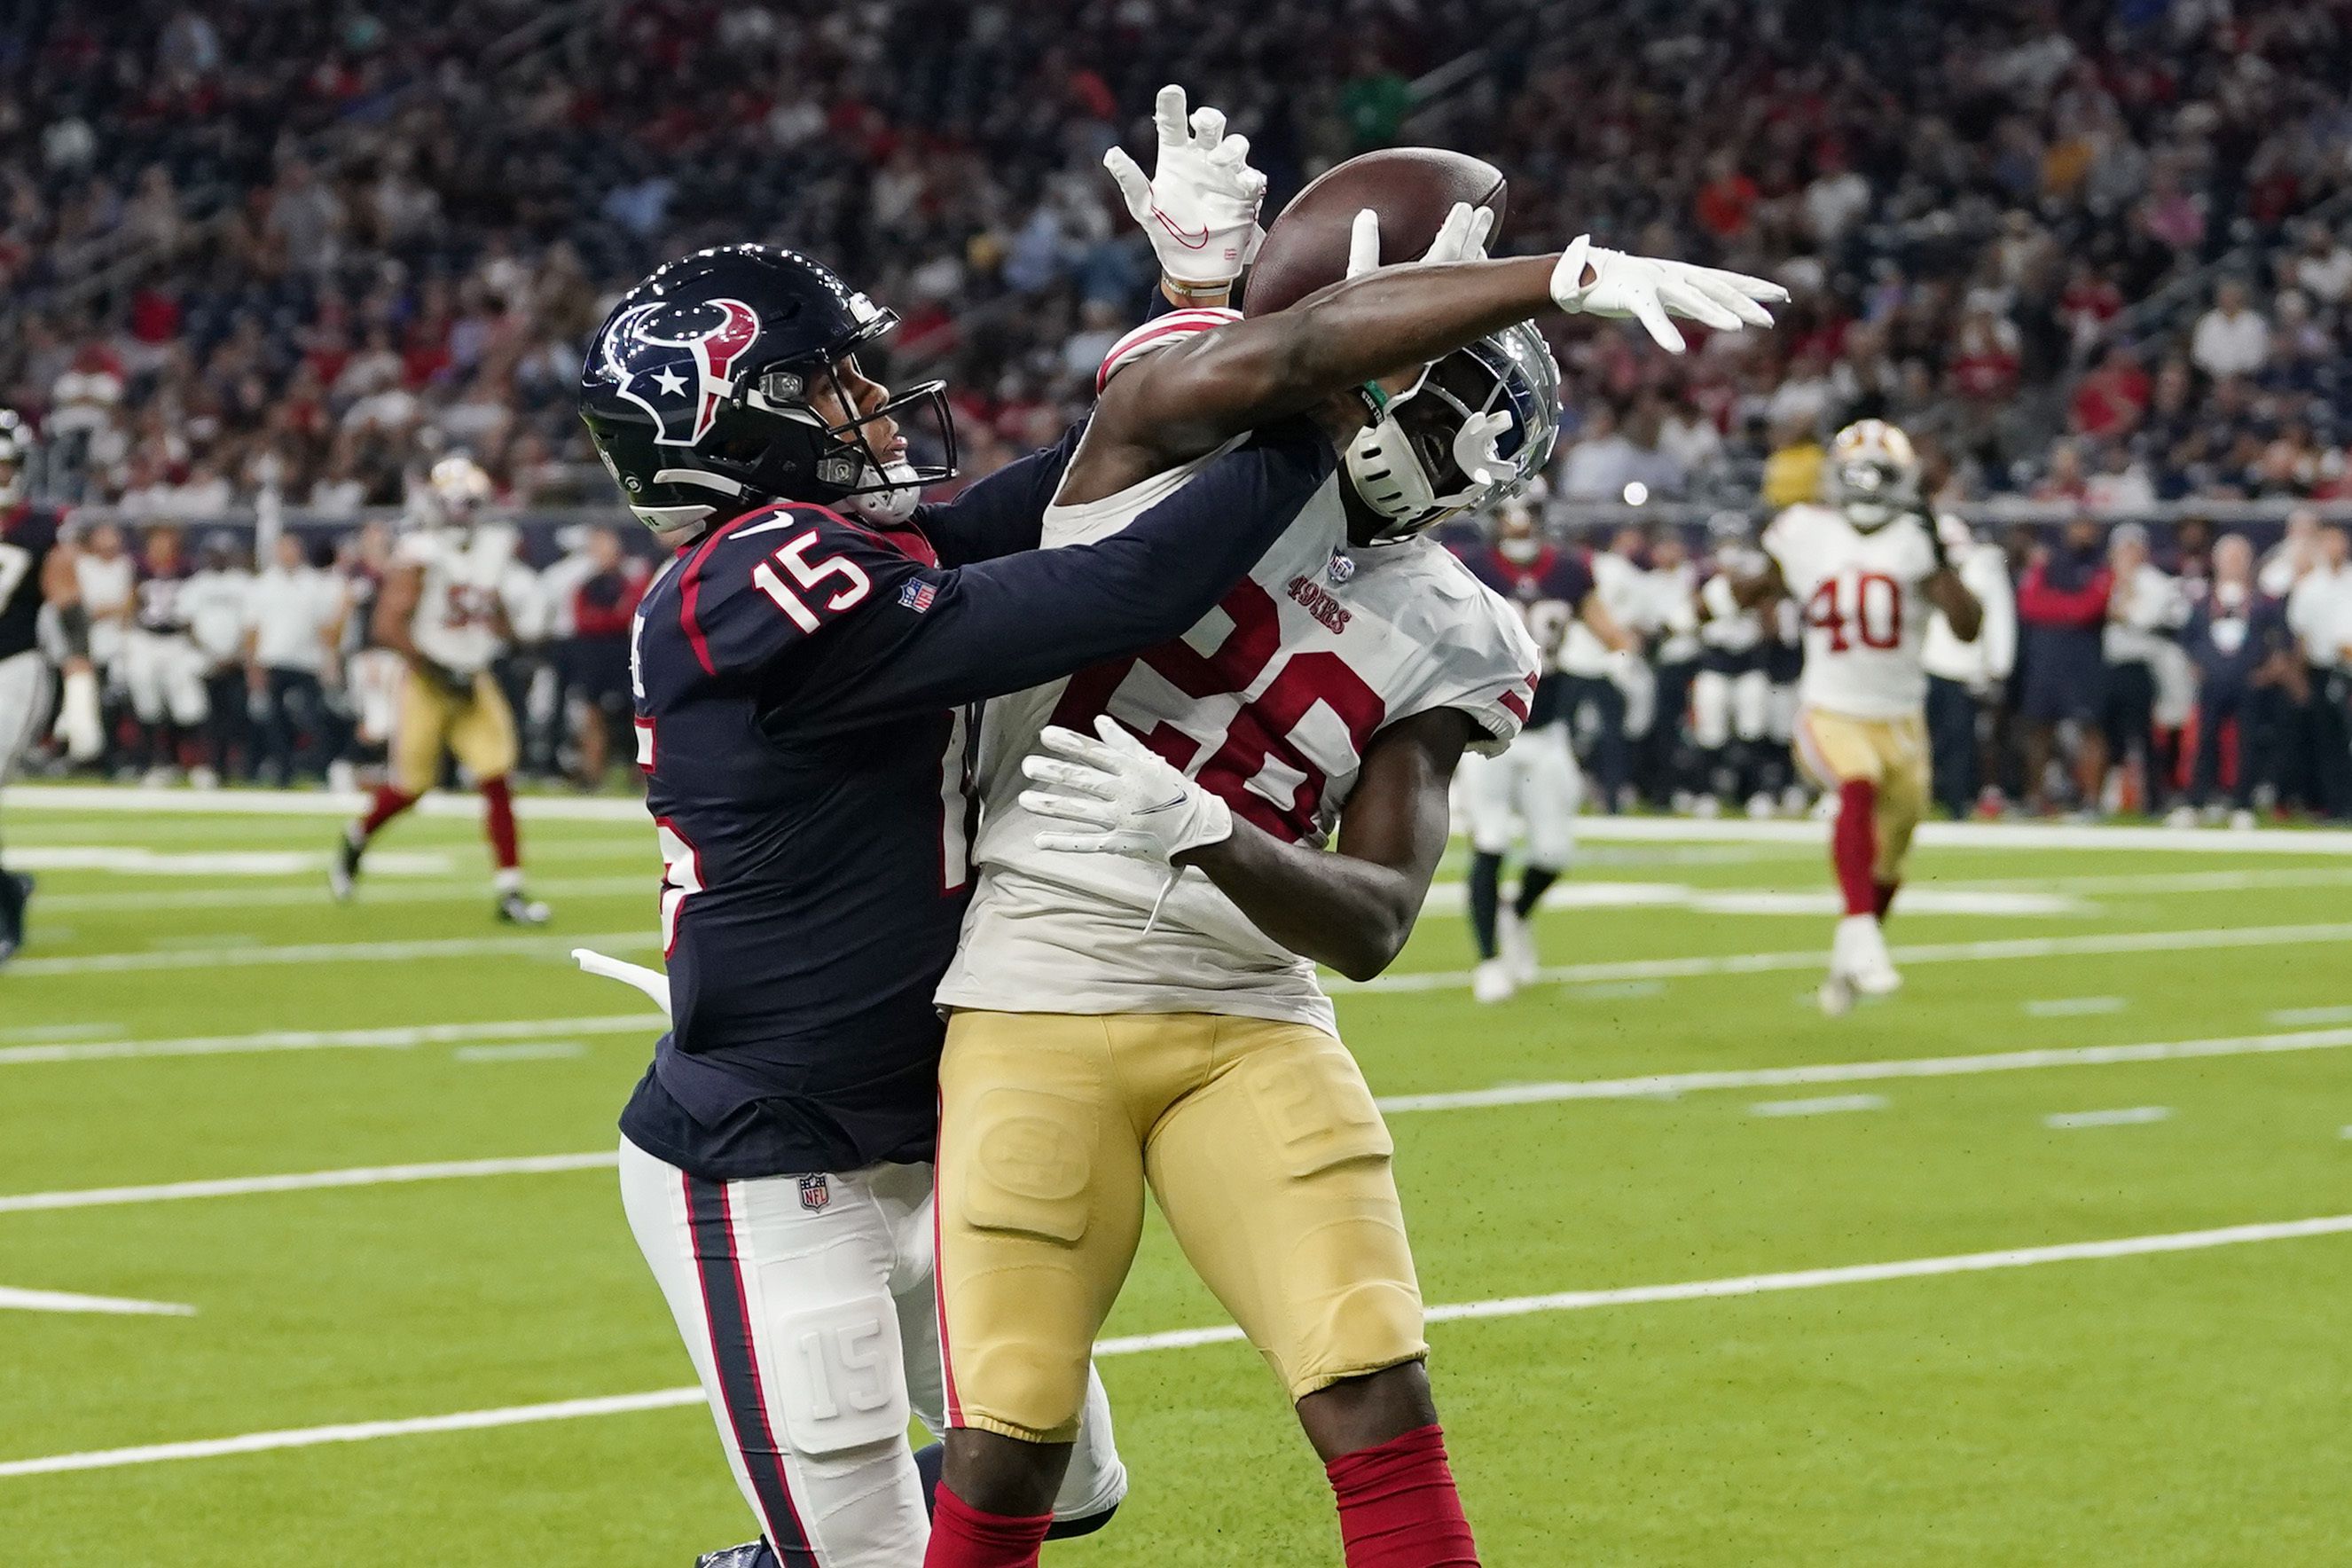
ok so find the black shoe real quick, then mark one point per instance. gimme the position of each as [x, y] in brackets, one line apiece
[344, 867]
[517, 910]
[15, 891]
[751, 1554]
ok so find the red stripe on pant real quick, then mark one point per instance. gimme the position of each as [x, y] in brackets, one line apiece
[726, 1307]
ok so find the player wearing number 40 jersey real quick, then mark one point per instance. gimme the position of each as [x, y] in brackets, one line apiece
[1134, 1000]
[1865, 569]
[37, 568]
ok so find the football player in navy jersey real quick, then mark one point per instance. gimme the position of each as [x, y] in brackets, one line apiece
[800, 670]
[37, 567]
[1533, 790]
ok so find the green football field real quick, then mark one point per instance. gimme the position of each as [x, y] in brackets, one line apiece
[2046, 1260]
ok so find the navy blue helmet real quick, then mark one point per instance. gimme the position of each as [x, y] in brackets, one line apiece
[697, 392]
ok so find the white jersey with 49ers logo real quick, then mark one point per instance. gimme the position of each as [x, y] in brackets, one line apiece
[456, 624]
[1270, 702]
[1864, 613]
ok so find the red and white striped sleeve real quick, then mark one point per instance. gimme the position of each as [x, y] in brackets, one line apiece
[1157, 333]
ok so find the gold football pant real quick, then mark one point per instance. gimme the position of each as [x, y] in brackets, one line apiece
[1265, 1152]
[1891, 753]
[478, 729]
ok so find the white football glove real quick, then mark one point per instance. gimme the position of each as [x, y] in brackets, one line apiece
[1461, 237]
[1650, 290]
[652, 982]
[80, 723]
[1199, 205]
[1115, 796]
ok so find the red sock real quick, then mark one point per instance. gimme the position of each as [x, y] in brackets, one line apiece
[498, 822]
[1887, 891]
[963, 1537]
[388, 803]
[1854, 847]
[1398, 1508]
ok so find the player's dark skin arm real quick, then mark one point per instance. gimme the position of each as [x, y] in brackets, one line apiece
[396, 611]
[1190, 398]
[1948, 593]
[1353, 909]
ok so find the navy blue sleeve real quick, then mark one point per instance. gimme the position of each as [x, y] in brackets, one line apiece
[1571, 582]
[939, 638]
[1001, 513]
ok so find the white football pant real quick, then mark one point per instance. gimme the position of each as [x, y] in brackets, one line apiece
[806, 1305]
[23, 707]
[1535, 787]
[1723, 706]
[165, 676]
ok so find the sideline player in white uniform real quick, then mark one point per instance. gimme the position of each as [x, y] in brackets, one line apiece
[1866, 569]
[162, 666]
[441, 609]
[1534, 790]
[1134, 1000]
[37, 569]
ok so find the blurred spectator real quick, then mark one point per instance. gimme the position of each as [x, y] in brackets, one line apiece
[298, 615]
[219, 603]
[596, 655]
[1793, 472]
[2319, 614]
[2062, 605]
[2233, 338]
[2245, 661]
[1965, 679]
[2145, 612]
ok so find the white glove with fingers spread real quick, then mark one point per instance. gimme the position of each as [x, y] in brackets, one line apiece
[1651, 290]
[1461, 237]
[1116, 797]
[1199, 205]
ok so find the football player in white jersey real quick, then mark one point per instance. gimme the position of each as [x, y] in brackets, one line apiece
[443, 611]
[1135, 999]
[1865, 569]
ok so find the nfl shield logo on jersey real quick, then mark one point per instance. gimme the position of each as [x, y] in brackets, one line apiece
[816, 1193]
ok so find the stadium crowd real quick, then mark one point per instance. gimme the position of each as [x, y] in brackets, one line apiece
[238, 276]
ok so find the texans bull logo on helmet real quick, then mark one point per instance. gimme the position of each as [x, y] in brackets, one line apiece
[671, 358]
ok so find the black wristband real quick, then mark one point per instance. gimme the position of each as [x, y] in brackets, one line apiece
[73, 621]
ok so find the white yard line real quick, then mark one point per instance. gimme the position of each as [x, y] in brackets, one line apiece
[1660, 1085]
[1186, 1339]
[2073, 1006]
[1925, 952]
[2126, 1116]
[1435, 980]
[407, 1038]
[1819, 1105]
[330, 952]
[14, 1301]
[107, 798]
[550, 1051]
[1657, 1086]
[2310, 1016]
[471, 889]
[305, 1181]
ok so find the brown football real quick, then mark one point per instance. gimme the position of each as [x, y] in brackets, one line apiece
[1412, 189]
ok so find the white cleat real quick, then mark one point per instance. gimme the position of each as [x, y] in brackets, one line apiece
[1518, 943]
[1491, 981]
[1858, 954]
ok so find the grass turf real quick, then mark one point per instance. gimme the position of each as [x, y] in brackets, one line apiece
[2183, 1408]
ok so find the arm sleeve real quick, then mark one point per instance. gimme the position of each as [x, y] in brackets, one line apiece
[941, 637]
[1002, 513]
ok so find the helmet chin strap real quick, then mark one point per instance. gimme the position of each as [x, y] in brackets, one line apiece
[890, 507]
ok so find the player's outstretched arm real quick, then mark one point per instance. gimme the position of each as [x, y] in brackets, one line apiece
[1193, 396]
[1351, 909]
[885, 636]
[1947, 591]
